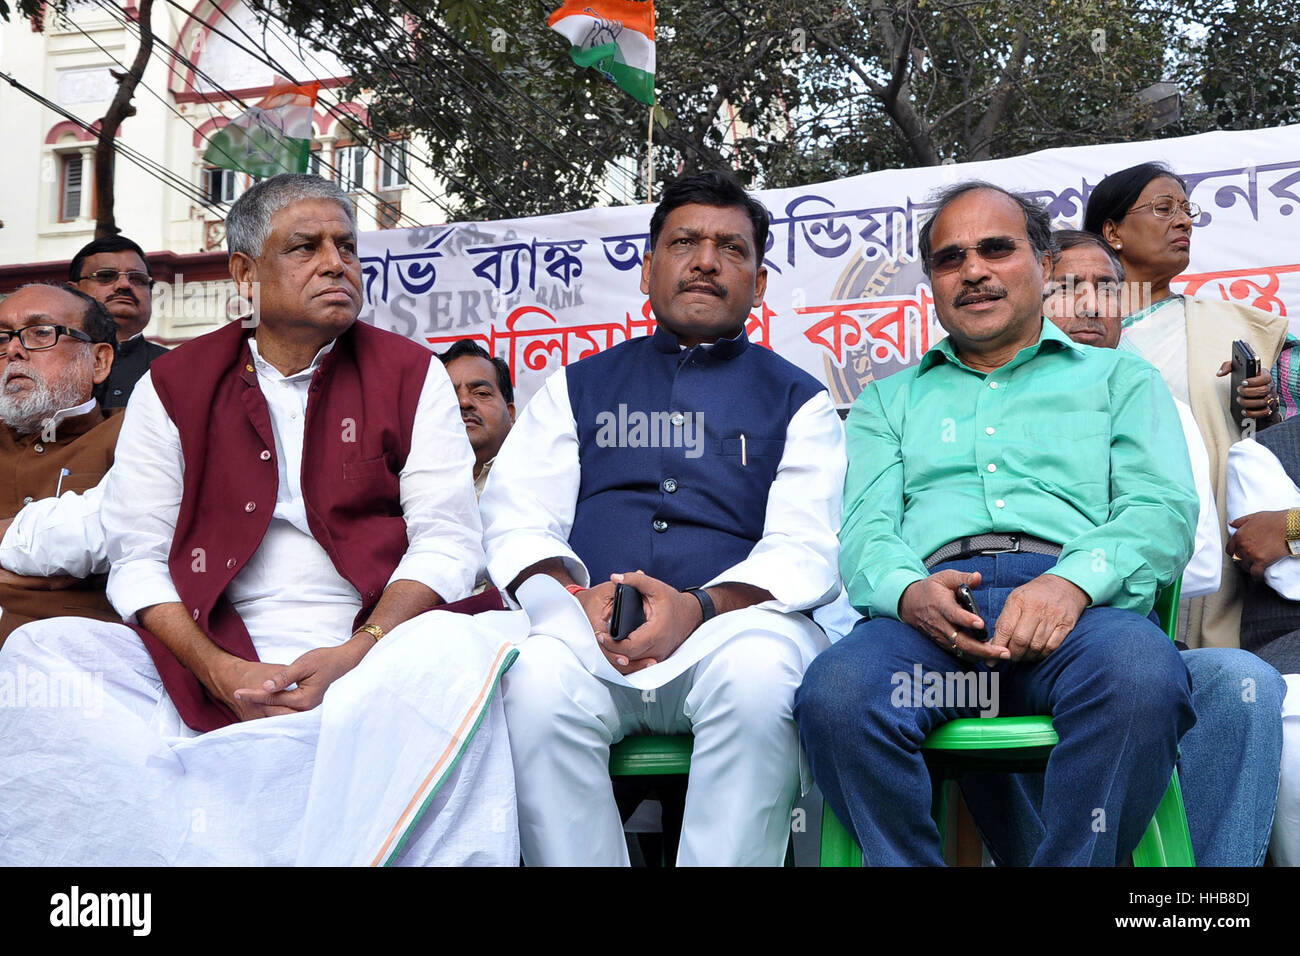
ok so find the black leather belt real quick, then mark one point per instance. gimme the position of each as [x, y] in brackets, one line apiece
[991, 544]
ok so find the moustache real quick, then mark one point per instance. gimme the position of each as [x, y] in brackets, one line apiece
[717, 290]
[14, 369]
[970, 295]
[1086, 325]
[471, 418]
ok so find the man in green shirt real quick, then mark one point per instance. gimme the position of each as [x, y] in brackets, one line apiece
[1052, 480]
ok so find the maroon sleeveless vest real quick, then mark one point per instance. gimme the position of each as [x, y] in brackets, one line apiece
[357, 434]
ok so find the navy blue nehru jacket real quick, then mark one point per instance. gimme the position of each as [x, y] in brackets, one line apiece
[678, 449]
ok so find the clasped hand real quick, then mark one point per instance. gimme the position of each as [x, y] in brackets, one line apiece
[670, 618]
[253, 689]
[1034, 621]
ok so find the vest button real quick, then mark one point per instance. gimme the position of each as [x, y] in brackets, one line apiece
[230, 562]
[660, 525]
[251, 506]
[38, 448]
[670, 485]
[265, 456]
[28, 500]
[196, 614]
[677, 418]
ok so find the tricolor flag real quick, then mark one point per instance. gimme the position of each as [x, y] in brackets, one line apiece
[270, 138]
[617, 37]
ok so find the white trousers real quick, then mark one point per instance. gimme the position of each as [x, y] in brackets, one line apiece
[1285, 845]
[737, 701]
[405, 761]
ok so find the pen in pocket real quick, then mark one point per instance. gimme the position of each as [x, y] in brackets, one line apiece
[744, 453]
[63, 473]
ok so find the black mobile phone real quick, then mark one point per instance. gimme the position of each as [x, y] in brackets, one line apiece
[628, 613]
[967, 602]
[1245, 364]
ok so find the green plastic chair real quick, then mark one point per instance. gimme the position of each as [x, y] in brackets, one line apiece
[651, 756]
[1017, 744]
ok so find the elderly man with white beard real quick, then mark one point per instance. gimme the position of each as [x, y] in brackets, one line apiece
[56, 348]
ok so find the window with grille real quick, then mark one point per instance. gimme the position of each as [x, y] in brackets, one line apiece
[70, 186]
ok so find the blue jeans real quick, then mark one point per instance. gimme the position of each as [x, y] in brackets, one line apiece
[1228, 768]
[1117, 691]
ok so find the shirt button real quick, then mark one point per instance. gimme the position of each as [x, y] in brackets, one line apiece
[38, 448]
[992, 467]
[990, 430]
[265, 456]
[670, 485]
[27, 500]
[660, 524]
[677, 418]
[1000, 503]
[294, 416]
[993, 384]
[252, 505]
[230, 562]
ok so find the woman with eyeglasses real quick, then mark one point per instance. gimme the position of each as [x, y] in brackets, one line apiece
[1144, 215]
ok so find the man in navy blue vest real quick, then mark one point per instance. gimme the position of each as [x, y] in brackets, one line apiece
[705, 472]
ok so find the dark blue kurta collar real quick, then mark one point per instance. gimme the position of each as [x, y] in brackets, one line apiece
[721, 350]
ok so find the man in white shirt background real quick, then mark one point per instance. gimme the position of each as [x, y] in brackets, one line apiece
[1264, 511]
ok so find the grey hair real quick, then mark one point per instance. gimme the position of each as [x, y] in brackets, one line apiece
[249, 223]
[1073, 238]
[1038, 224]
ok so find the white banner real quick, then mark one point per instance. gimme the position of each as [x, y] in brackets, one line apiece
[846, 298]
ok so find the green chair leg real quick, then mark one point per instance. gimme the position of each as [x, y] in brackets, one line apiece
[1167, 841]
[838, 846]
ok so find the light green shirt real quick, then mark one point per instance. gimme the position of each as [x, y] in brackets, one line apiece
[1074, 444]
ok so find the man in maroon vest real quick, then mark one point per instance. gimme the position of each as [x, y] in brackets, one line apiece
[291, 493]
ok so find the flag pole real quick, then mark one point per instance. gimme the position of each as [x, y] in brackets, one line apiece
[650, 159]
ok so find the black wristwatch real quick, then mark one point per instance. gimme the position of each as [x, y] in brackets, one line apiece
[706, 602]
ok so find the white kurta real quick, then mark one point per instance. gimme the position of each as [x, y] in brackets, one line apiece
[731, 684]
[1258, 482]
[406, 759]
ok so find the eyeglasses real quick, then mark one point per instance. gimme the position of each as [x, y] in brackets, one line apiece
[37, 337]
[1167, 208]
[141, 280]
[950, 258]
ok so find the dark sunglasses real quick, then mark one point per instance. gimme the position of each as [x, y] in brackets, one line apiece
[950, 258]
